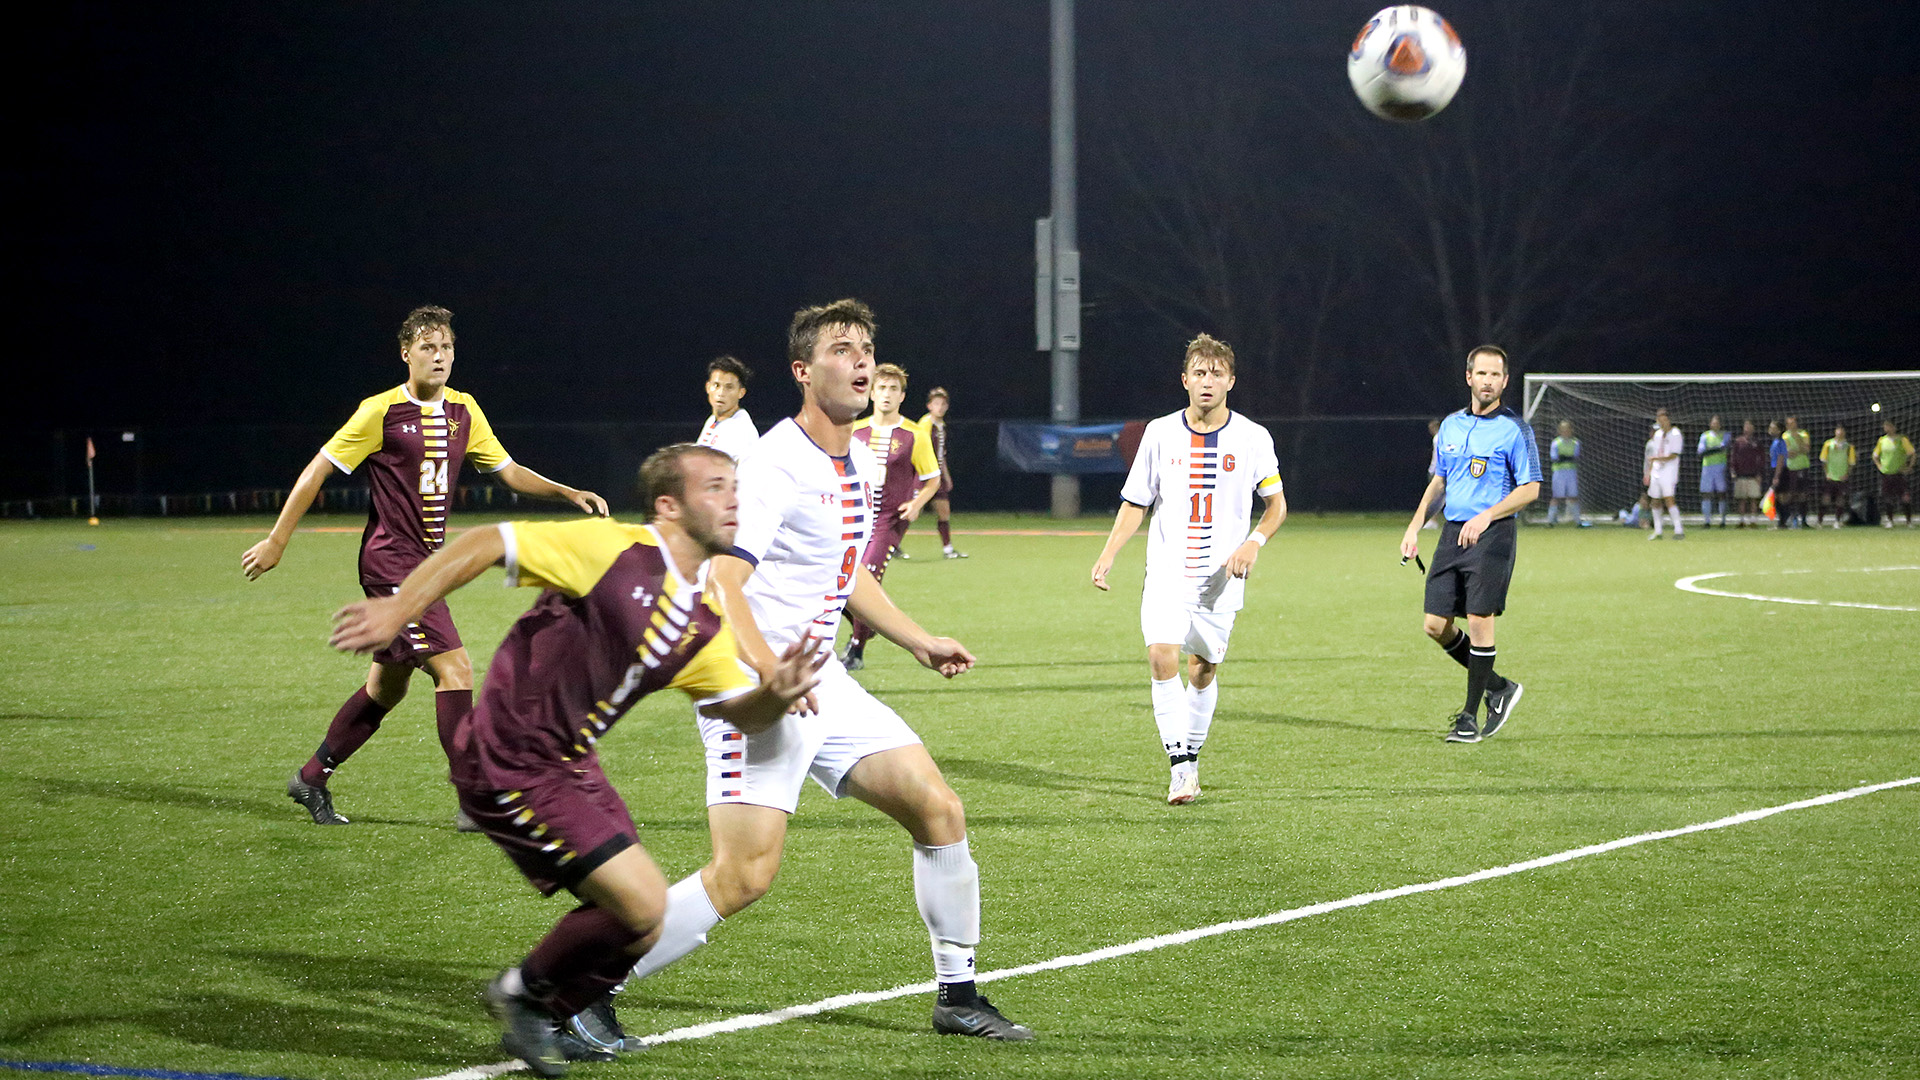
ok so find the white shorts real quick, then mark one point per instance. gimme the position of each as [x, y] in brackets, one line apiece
[769, 769]
[1203, 633]
[1663, 484]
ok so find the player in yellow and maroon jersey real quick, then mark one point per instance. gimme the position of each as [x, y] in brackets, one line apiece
[412, 440]
[909, 474]
[624, 612]
[935, 425]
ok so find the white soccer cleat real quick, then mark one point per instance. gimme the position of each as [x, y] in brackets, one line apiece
[1184, 787]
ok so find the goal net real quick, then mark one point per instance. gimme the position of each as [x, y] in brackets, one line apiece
[1612, 416]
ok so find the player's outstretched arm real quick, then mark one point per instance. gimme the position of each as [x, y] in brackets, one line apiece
[1125, 524]
[1410, 540]
[871, 605]
[265, 555]
[368, 624]
[795, 675]
[527, 482]
[1240, 563]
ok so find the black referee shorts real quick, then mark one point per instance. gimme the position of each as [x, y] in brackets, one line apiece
[1471, 581]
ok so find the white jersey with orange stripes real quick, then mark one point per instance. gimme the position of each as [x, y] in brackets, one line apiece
[1199, 488]
[805, 517]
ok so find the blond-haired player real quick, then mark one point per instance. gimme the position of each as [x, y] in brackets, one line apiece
[1197, 471]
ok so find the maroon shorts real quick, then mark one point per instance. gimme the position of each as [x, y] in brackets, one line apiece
[1893, 487]
[887, 532]
[1834, 490]
[946, 485]
[556, 830]
[431, 635]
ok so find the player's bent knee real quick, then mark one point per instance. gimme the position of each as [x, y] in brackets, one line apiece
[1437, 627]
[452, 670]
[735, 883]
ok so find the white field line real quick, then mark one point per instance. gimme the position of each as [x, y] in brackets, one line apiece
[843, 1001]
[1692, 585]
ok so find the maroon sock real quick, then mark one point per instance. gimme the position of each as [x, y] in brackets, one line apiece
[450, 708]
[946, 533]
[861, 633]
[352, 726]
[582, 958]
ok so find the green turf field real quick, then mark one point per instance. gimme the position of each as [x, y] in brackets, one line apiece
[164, 906]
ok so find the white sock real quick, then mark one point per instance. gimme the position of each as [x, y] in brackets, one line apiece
[690, 915]
[1200, 705]
[1170, 714]
[1658, 524]
[946, 883]
[1674, 513]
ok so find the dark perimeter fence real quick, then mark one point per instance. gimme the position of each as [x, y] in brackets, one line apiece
[1329, 463]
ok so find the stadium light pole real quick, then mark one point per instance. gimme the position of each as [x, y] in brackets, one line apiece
[1057, 295]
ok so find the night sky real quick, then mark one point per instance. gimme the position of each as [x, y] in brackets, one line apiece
[229, 207]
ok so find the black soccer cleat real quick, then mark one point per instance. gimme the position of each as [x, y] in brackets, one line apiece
[855, 657]
[979, 1018]
[317, 799]
[530, 1034]
[1464, 729]
[1500, 708]
[597, 1030]
[464, 823]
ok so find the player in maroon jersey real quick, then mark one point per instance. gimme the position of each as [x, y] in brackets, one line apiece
[412, 439]
[910, 475]
[935, 425]
[624, 613]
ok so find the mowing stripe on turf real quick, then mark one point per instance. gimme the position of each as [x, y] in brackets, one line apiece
[793, 1012]
[1692, 585]
[82, 1069]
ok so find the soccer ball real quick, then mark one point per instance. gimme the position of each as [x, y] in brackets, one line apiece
[1406, 64]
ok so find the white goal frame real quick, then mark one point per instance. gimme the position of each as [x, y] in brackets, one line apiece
[1607, 492]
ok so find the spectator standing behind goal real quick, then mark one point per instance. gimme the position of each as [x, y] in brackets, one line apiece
[1565, 454]
[1713, 473]
[1749, 466]
[1777, 473]
[1893, 456]
[1663, 473]
[1837, 456]
[729, 429]
[1799, 462]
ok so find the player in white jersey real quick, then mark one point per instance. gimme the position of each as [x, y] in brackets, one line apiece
[804, 521]
[728, 429]
[1197, 471]
[1663, 472]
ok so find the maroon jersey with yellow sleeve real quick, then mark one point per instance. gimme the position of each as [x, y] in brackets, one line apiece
[616, 622]
[902, 455]
[412, 450]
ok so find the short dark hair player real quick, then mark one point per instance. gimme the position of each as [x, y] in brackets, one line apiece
[412, 440]
[624, 611]
[1487, 470]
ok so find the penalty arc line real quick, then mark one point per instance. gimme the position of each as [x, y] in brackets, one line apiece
[756, 1020]
[1692, 585]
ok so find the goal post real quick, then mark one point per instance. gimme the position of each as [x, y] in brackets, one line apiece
[1612, 416]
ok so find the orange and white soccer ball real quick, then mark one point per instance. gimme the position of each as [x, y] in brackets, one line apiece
[1406, 64]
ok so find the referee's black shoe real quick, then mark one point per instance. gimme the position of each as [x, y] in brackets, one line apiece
[1464, 729]
[1500, 707]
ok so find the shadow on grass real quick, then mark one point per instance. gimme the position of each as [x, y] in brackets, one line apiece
[1008, 772]
[1320, 723]
[148, 793]
[254, 1025]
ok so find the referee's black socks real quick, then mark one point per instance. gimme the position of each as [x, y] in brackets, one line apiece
[1462, 650]
[1457, 648]
[1479, 676]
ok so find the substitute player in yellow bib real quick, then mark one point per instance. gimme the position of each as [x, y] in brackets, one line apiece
[1197, 471]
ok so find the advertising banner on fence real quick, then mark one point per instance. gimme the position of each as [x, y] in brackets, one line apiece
[1061, 448]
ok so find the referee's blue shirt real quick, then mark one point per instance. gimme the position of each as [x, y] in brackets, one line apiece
[1483, 458]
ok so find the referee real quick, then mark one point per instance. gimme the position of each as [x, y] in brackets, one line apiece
[1487, 467]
